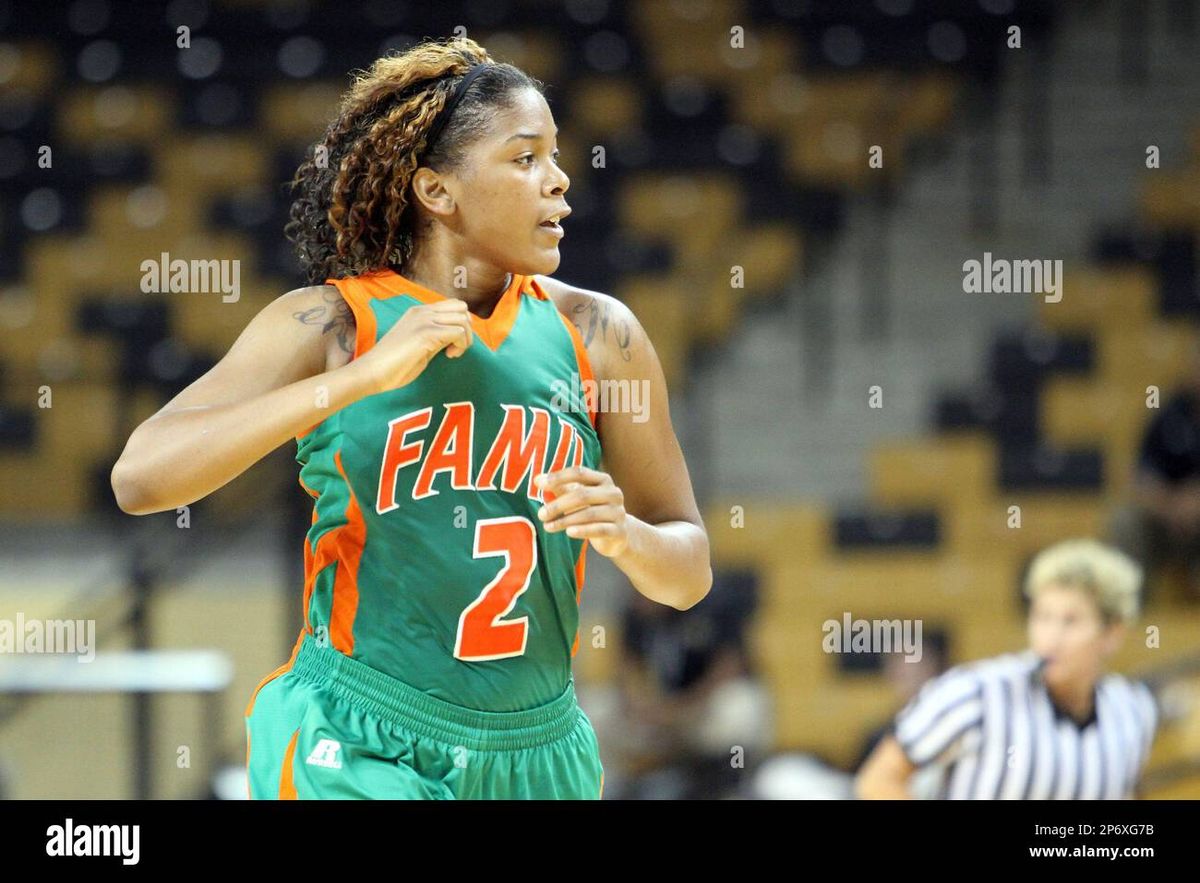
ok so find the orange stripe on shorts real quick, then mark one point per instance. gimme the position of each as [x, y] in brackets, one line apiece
[287, 788]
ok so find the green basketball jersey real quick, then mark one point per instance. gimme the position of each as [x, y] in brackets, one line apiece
[426, 559]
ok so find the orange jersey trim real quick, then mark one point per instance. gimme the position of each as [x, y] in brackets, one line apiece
[580, 569]
[581, 357]
[343, 544]
[492, 331]
[349, 542]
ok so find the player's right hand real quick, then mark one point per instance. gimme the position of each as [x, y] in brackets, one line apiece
[420, 334]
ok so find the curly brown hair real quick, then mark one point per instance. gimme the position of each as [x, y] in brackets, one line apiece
[352, 212]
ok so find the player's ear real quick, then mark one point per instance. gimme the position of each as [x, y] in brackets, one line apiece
[429, 190]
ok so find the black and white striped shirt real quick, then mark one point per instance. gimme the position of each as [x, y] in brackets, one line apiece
[994, 730]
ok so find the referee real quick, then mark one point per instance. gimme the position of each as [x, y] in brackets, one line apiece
[1043, 724]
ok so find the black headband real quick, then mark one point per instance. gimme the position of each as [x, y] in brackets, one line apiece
[443, 117]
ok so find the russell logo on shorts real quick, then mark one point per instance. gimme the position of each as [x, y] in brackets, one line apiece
[326, 754]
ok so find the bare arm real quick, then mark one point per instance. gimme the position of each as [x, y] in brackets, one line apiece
[642, 512]
[668, 558]
[885, 774]
[270, 387]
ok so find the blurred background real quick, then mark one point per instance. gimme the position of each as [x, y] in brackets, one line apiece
[865, 437]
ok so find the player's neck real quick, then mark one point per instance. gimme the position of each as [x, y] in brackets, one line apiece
[481, 287]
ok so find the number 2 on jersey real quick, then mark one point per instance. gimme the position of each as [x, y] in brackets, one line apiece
[482, 633]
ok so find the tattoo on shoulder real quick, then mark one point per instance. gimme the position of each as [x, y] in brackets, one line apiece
[333, 315]
[595, 320]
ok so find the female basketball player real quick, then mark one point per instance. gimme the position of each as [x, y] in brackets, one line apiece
[455, 488]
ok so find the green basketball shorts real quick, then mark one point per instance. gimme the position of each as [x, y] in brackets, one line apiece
[326, 726]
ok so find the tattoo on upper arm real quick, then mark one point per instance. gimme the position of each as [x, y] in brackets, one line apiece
[593, 319]
[333, 315]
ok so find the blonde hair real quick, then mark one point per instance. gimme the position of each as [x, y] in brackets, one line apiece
[1110, 577]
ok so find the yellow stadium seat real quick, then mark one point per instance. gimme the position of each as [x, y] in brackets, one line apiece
[604, 107]
[768, 255]
[206, 166]
[1112, 416]
[683, 32]
[541, 54]
[766, 53]
[298, 113]
[830, 152]
[30, 65]
[931, 471]
[75, 433]
[888, 584]
[927, 103]
[139, 114]
[992, 532]
[746, 532]
[693, 210]
[1161, 355]
[117, 212]
[1171, 199]
[837, 715]
[1078, 410]
[1121, 298]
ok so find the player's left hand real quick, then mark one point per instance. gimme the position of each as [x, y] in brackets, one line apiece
[587, 505]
